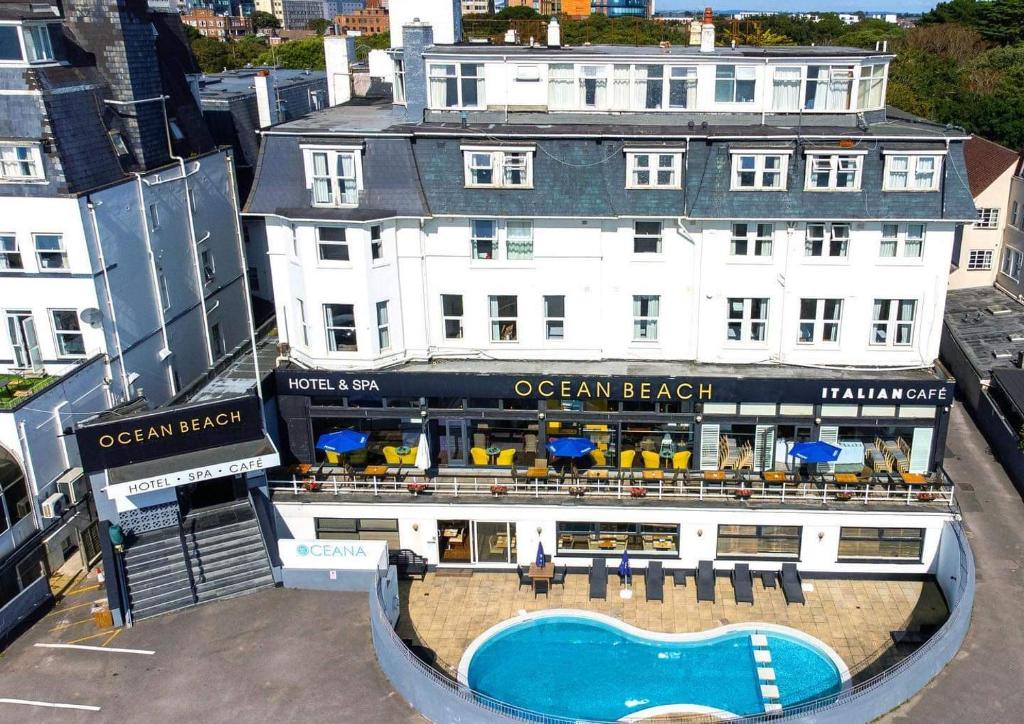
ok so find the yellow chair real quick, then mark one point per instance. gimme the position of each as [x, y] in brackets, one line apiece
[651, 459]
[554, 425]
[332, 457]
[681, 460]
[410, 457]
[599, 458]
[626, 458]
[505, 458]
[479, 455]
[391, 455]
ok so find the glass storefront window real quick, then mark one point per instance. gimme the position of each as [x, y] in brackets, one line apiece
[384, 529]
[495, 542]
[600, 433]
[656, 445]
[383, 432]
[613, 538]
[888, 543]
[757, 541]
[520, 436]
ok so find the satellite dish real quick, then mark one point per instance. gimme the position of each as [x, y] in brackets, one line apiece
[91, 316]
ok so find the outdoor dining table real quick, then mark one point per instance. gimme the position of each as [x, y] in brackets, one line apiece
[492, 453]
[373, 471]
[715, 475]
[846, 478]
[774, 476]
[914, 479]
[545, 572]
[653, 475]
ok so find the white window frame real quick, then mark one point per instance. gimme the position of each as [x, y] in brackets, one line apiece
[438, 71]
[647, 236]
[553, 320]
[1011, 263]
[819, 322]
[497, 320]
[15, 157]
[890, 324]
[300, 307]
[332, 243]
[759, 170]
[164, 290]
[645, 326]
[58, 333]
[903, 239]
[749, 73]
[9, 253]
[332, 345]
[653, 165]
[523, 235]
[869, 83]
[841, 73]
[979, 260]
[988, 218]
[746, 323]
[830, 242]
[398, 87]
[383, 325]
[36, 38]
[459, 318]
[376, 243]
[334, 181]
[61, 250]
[833, 161]
[754, 237]
[474, 239]
[503, 160]
[912, 171]
[208, 266]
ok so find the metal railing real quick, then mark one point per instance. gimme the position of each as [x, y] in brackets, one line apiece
[692, 486]
[441, 698]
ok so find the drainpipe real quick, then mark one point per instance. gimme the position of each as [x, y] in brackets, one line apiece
[154, 281]
[116, 334]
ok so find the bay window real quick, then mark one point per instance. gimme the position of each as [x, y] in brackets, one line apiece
[340, 325]
[331, 244]
[870, 88]
[893, 322]
[828, 88]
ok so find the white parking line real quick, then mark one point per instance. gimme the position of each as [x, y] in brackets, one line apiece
[50, 704]
[96, 648]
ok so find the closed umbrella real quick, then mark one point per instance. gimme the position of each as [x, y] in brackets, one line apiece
[818, 451]
[423, 453]
[626, 574]
[342, 441]
[541, 560]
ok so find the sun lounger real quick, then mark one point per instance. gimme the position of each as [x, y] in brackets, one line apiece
[654, 581]
[679, 577]
[705, 581]
[742, 583]
[599, 580]
[791, 586]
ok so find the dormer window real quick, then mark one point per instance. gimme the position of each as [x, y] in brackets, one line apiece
[333, 175]
[20, 163]
[10, 46]
[488, 167]
[759, 170]
[653, 169]
[870, 91]
[37, 43]
[834, 171]
[457, 85]
[912, 172]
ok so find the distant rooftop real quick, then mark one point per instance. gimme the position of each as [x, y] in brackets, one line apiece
[241, 82]
[672, 51]
[988, 325]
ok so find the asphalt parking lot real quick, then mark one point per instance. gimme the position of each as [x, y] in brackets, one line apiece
[277, 655]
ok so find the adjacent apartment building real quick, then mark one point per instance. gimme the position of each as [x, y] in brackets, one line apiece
[119, 231]
[695, 257]
[1011, 264]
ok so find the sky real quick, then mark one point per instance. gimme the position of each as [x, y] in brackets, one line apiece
[896, 6]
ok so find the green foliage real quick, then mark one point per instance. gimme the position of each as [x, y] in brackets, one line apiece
[296, 54]
[262, 20]
[319, 25]
[1002, 21]
[519, 13]
[191, 33]
[955, 11]
[213, 56]
[366, 43]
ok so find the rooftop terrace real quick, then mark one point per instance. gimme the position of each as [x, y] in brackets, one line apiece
[18, 389]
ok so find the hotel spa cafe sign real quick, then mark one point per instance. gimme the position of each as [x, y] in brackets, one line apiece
[374, 385]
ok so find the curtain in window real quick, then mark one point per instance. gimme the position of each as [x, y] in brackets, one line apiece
[786, 91]
[560, 86]
[924, 175]
[640, 86]
[519, 239]
[593, 86]
[817, 87]
[347, 178]
[898, 167]
[443, 86]
[840, 80]
[620, 88]
[321, 181]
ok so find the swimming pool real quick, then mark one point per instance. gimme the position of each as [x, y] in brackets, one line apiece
[579, 664]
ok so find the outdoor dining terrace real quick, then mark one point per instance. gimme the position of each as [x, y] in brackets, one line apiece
[549, 484]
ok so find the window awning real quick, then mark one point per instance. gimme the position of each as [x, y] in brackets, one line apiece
[194, 467]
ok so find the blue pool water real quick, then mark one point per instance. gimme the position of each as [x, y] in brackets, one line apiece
[583, 668]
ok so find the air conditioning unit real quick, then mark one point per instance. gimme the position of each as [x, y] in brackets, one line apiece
[53, 506]
[72, 485]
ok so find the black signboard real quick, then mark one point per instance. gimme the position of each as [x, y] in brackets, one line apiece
[173, 431]
[375, 385]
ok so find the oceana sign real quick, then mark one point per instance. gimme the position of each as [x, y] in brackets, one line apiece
[360, 555]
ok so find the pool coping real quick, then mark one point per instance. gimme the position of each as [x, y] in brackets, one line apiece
[751, 628]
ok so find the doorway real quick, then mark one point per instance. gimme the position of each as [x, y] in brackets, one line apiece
[453, 541]
[21, 328]
[453, 446]
[484, 542]
[211, 493]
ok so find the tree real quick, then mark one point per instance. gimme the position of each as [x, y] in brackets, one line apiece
[211, 55]
[191, 33]
[297, 54]
[319, 25]
[262, 20]
[520, 12]
[377, 41]
[1002, 21]
[955, 11]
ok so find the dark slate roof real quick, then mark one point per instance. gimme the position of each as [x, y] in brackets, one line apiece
[986, 161]
[980, 333]
[1011, 380]
[389, 179]
[21, 10]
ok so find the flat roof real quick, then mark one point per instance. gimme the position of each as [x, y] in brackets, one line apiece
[671, 51]
[241, 82]
[985, 322]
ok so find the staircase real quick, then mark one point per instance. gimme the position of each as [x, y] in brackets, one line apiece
[226, 552]
[157, 574]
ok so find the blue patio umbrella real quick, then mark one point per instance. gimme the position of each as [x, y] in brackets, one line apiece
[818, 451]
[570, 447]
[625, 572]
[342, 441]
[541, 560]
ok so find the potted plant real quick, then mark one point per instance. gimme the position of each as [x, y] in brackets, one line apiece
[312, 485]
[926, 497]
[497, 490]
[744, 493]
[577, 491]
[416, 488]
[637, 492]
[844, 495]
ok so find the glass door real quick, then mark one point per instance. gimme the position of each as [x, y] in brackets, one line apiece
[22, 330]
[453, 445]
[494, 542]
[453, 544]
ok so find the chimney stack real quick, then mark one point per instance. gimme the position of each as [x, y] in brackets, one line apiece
[266, 99]
[339, 52]
[707, 32]
[554, 34]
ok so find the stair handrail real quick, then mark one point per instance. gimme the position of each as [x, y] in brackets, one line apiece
[251, 497]
[188, 561]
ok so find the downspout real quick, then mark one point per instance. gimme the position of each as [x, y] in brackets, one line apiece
[110, 301]
[423, 291]
[942, 186]
[154, 281]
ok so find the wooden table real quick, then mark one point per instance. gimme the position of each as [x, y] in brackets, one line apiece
[544, 573]
[716, 475]
[375, 470]
[606, 544]
[653, 475]
[300, 468]
[774, 476]
[846, 478]
[537, 473]
[914, 479]
[662, 545]
[596, 474]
